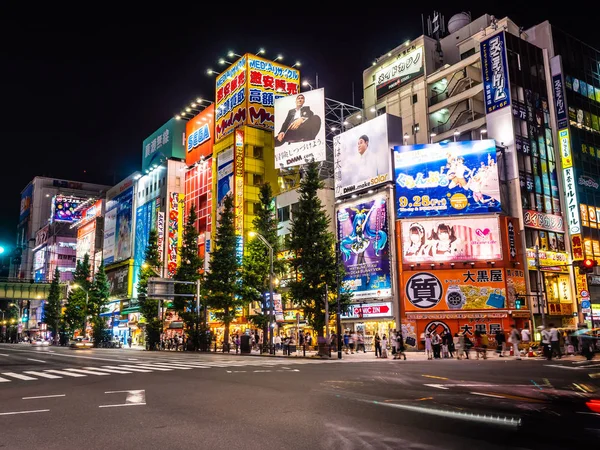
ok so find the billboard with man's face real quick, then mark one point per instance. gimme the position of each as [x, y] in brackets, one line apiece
[300, 129]
[362, 155]
[446, 179]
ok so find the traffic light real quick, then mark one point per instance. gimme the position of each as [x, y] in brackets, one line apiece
[587, 266]
[519, 302]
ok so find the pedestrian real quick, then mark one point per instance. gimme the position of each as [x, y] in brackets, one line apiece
[393, 342]
[436, 343]
[478, 344]
[361, 343]
[129, 341]
[546, 342]
[514, 339]
[555, 341]
[346, 341]
[485, 342]
[526, 336]
[400, 348]
[384, 343]
[277, 342]
[500, 342]
[459, 343]
[353, 341]
[451, 348]
[377, 345]
[468, 345]
[422, 341]
[428, 346]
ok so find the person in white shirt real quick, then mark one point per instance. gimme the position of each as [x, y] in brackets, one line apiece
[514, 339]
[555, 341]
[546, 346]
[366, 164]
[525, 335]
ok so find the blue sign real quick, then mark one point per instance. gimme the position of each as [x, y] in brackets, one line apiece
[559, 101]
[26, 199]
[143, 224]
[585, 304]
[446, 179]
[494, 68]
[198, 137]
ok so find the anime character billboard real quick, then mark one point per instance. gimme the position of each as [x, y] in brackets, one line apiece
[446, 179]
[364, 246]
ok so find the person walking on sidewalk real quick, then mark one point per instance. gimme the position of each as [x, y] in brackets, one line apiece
[500, 343]
[400, 348]
[436, 342]
[384, 343]
[393, 342]
[459, 344]
[428, 346]
[514, 339]
[346, 341]
[377, 346]
[555, 341]
[546, 346]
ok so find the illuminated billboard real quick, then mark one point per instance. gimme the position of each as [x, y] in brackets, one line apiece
[224, 177]
[404, 69]
[199, 136]
[494, 69]
[456, 239]
[118, 221]
[26, 199]
[363, 239]
[300, 129]
[145, 215]
[362, 155]
[176, 202]
[66, 208]
[446, 179]
[454, 289]
[166, 142]
[246, 92]
[86, 241]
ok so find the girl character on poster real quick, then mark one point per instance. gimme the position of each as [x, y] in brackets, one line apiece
[361, 236]
[443, 241]
[417, 239]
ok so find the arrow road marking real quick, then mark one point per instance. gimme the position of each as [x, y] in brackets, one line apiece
[134, 398]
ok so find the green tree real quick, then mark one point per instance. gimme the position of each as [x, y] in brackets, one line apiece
[313, 246]
[256, 264]
[76, 309]
[190, 265]
[223, 279]
[53, 307]
[149, 306]
[98, 299]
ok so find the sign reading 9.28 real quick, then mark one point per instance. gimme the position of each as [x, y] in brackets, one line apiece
[446, 179]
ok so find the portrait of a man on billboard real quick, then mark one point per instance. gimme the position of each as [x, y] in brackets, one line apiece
[301, 124]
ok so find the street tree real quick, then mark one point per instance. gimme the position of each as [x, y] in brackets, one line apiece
[53, 308]
[98, 300]
[256, 265]
[223, 279]
[149, 306]
[76, 308]
[189, 268]
[313, 247]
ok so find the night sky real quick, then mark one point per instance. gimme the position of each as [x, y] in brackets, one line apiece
[80, 95]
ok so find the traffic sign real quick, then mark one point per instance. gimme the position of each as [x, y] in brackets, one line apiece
[585, 304]
[584, 293]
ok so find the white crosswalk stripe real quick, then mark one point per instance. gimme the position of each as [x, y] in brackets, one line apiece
[149, 365]
[42, 374]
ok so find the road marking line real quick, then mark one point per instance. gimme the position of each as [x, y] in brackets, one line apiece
[594, 375]
[165, 366]
[18, 376]
[261, 371]
[438, 386]
[42, 374]
[107, 370]
[128, 368]
[131, 359]
[24, 412]
[62, 372]
[36, 360]
[87, 372]
[486, 395]
[123, 404]
[149, 367]
[433, 376]
[564, 367]
[3, 354]
[45, 396]
[66, 356]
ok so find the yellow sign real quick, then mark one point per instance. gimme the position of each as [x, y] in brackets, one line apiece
[547, 258]
[239, 182]
[565, 148]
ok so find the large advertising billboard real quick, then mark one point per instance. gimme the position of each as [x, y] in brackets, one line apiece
[66, 208]
[86, 241]
[446, 179]
[119, 280]
[494, 67]
[400, 72]
[452, 240]
[166, 142]
[144, 222]
[117, 227]
[224, 177]
[247, 90]
[300, 129]
[26, 199]
[362, 155]
[176, 203]
[454, 289]
[364, 245]
[199, 135]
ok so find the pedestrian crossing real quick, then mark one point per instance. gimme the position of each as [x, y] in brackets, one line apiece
[148, 366]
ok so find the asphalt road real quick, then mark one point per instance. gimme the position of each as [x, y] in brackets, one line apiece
[57, 398]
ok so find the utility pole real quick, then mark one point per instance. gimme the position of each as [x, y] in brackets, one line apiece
[197, 312]
[326, 312]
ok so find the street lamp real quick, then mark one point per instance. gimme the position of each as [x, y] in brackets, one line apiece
[297, 63]
[224, 61]
[278, 57]
[211, 72]
[482, 133]
[306, 83]
[271, 302]
[231, 54]
[456, 134]
[432, 135]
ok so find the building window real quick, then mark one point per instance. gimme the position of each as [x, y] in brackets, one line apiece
[258, 152]
[258, 179]
[415, 128]
[146, 190]
[283, 214]
[177, 181]
[414, 98]
[381, 111]
[295, 209]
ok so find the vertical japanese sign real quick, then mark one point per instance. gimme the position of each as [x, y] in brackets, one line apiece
[160, 229]
[174, 231]
[494, 68]
[363, 240]
[231, 98]
[239, 191]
